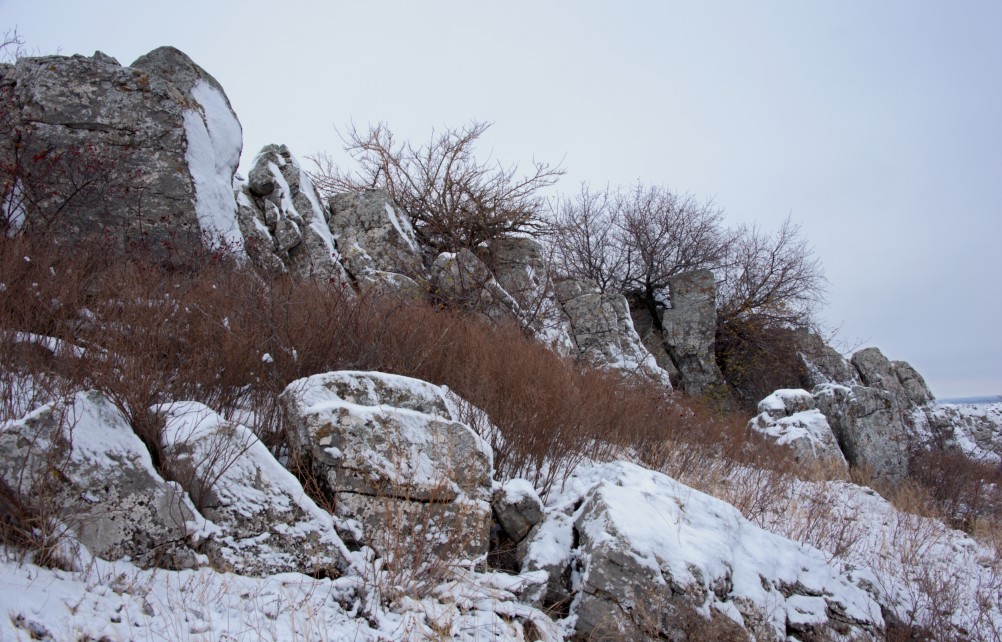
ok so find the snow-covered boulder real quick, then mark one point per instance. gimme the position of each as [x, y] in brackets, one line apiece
[285, 225]
[654, 559]
[688, 329]
[144, 154]
[602, 329]
[81, 465]
[790, 418]
[871, 429]
[377, 242]
[265, 523]
[396, 460]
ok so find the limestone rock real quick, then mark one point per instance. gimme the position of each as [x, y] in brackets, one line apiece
[824, 363]
[286, 227]
[393, 455]
[870, 427]
[649, 330]
[790, 418]
[266, 523]
[658, 560]
[603, 331]
[97, 478]
[376, 239]
[897, 378]
[689, 329]
[156, 146]
[517, 508]
[974, 430]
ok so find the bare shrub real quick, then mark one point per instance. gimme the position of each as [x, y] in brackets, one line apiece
[454, 199]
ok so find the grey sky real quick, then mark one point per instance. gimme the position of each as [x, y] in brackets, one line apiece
[876, 124]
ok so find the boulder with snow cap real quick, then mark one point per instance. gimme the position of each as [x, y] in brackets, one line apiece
[658, 560]
[265, 523]
[602, 329]
[284, 223]
[142, 154]
[790, 418]
[394, 457]
[97, 480]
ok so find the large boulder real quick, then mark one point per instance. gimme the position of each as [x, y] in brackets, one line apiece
[653, 559]
[377, 242]
[791, 418]
[895, 377]
[395, 460]
[872, 431]
[81, 465]
[284, 224]
[143, 154]
[602, 329]
[265, 522]
[689, 329]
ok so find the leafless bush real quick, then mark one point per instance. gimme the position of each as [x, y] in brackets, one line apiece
[454, 199]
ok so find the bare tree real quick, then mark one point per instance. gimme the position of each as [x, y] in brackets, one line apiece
[585, 238]
[776, 278]
[454, 200]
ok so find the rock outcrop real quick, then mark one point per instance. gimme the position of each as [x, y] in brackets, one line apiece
[657, 560]
[285, 226]
[377, 242]
[895, 377]
[791, 418]
[688, 329]
[263, 521]
[602, 329]
[95, 480]
[394, 460]
[142, 154]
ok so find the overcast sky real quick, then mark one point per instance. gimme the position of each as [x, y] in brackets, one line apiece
[876, 124]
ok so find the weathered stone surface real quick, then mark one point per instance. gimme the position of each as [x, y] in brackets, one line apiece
[265, 522]
[517, 508]
[790, 418]
[390, 451]
[375, 237]
[974, 430]
[871, 429]
[602, 329]
[649, 330]
[463, 280]
[657, 560]
[689, 329]
[281, 216]
[155, 147]
[898, 378]
[824, 363]
[96, 478]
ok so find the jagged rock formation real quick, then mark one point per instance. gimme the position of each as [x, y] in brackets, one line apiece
[688, 329]
[142, 154]
[791, 418]
[391, 454]
[94, 478]
[285, 227]
[897, 378]
[602, 329]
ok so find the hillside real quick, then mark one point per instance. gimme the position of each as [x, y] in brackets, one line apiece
[238, 408]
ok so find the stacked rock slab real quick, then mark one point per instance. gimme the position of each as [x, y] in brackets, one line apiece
[395, 461]
[284, 224]
[689, 329]
[155, 146]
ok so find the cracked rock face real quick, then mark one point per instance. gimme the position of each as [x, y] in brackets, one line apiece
[156, 145]
[790, 418]
[394, 458]
[895, 377]
[689, 328]
[97, 479]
